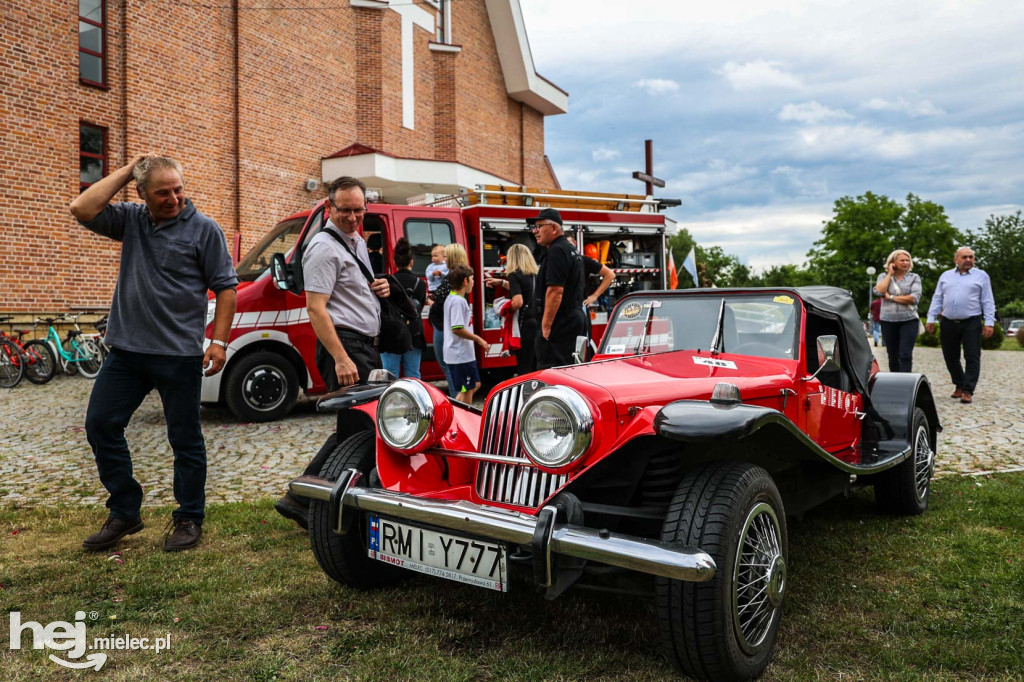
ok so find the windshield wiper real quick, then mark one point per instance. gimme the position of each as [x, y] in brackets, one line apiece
[719, 338]
[647, 330]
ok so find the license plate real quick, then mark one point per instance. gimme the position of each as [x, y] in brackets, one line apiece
[445, 555]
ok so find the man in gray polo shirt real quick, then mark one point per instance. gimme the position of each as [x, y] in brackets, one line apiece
[171, 255]
[343, 309]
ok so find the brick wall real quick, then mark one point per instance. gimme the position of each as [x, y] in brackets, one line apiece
[311, 82]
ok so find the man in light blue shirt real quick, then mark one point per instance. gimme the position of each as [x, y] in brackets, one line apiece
[963, 296]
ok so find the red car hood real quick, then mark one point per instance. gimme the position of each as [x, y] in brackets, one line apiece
[664, 377]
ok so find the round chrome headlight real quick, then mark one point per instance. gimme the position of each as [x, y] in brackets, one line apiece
[404, 413]
[556, 426]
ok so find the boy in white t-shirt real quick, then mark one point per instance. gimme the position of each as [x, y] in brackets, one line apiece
[458, 346]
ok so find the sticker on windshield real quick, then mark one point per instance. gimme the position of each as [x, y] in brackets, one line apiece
[616, 349]
[632, 310]
[714, 362]
[782, 298]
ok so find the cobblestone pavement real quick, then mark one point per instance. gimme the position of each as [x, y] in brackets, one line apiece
[45, 459]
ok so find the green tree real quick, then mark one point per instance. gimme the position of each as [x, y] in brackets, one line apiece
[862, 233]
[722, 269]
[999, 250]
[787, 275]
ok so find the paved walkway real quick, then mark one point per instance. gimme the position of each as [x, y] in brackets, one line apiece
[45, 459]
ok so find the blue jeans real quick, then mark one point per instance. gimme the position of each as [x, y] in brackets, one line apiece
[408, 362]
[439, 356]
[876, 330]
[124, 381]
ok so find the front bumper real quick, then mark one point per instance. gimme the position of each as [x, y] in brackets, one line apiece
[542, 532]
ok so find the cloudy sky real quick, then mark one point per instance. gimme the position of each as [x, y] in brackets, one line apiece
[763, 113]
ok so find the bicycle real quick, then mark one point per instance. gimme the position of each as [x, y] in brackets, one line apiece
[35, 356]
[97, 336]
[74, 353]
[11, 366]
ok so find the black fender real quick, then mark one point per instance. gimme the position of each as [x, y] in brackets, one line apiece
[894, 395]
[697, 421]
[343, 400]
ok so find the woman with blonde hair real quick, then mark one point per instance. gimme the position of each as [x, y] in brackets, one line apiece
[520, 271]
[454, 254]
[900, 290]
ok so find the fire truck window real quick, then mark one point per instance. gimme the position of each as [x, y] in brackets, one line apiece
[423, 234]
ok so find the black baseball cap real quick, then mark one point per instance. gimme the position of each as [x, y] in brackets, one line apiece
[546, 214]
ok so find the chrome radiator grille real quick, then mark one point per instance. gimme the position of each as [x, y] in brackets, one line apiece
[518, 484]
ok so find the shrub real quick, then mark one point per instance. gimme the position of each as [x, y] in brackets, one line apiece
[931, 340]
[1014, 308]
[995, 341]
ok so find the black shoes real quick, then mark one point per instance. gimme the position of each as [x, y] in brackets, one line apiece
[113, 530]
[293, 508]
[186, 535]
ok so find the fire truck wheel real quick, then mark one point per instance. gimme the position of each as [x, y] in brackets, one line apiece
[904, 488]
[261, 387]
[343, 557]
[725, 628]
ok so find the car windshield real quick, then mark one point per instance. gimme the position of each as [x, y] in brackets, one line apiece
[764, 325]
[281, 239]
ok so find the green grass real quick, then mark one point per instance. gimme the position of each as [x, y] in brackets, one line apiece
[935, 597]
[1011, 343]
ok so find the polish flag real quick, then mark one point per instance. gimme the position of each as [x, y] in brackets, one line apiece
[673, 276]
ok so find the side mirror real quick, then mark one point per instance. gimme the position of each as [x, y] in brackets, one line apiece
[579, 353]
[279, 272]
[828, 355]
[380, 376]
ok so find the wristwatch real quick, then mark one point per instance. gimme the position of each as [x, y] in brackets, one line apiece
[222, 344]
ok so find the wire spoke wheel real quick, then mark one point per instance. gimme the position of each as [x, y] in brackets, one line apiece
[759, 577]
[725, 628]
[924, 461]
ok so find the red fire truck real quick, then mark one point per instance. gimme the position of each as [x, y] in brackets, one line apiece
[270, 353]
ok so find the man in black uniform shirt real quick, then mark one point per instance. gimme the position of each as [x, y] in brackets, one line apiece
[558, 293]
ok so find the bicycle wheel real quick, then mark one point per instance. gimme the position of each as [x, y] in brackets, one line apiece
[12, 368]
[89, 358]
[41, 364]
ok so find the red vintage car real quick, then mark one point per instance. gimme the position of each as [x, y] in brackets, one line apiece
[707, 417]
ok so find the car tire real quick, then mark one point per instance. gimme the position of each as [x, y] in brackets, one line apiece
[722, 629]
[904, 489]
[261, 387]
[344, 557]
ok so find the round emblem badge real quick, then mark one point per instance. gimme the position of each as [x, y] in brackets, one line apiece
[632, 310]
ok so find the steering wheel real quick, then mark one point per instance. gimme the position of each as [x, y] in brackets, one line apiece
[763, 350]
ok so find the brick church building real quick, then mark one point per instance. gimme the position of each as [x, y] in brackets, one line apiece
[262, 106]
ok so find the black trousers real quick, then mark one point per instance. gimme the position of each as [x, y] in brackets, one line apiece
[365, 356]
[965, 333]
[556, 350]
[899, 340]
[359, 348]
[123, 383]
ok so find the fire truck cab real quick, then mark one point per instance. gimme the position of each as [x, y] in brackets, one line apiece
[270, 354]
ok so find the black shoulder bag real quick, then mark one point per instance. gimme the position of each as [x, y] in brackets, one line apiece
[396, 310]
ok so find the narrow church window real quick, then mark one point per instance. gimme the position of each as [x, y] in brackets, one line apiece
[92, 42]
[92, 154]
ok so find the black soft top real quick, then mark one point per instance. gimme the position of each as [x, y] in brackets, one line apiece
[836, 302]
